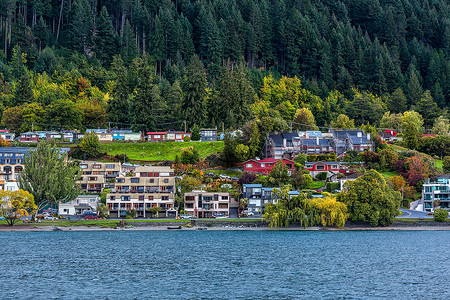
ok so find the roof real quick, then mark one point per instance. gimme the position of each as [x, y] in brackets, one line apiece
[341, 134]
[359, 140]
[97, 130]
[313, 142]
[314, 133]
[156, 132]
[322, 162]
[352, 176]
[14, 150]
[252, 185]
[277, 139]
[121, 131]
[29, 132]
[163, 169]
[88, 196]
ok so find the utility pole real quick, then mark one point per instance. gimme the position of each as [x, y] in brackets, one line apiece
[109, 126]
[32, 126]
[185, 126]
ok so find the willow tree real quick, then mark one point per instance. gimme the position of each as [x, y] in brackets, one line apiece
[48, 176]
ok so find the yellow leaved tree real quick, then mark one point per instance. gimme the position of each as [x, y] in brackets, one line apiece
[15, 205]
[332, 212]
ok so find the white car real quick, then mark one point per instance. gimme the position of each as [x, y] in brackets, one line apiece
[50, 218]
[250, 214]
[186, 217]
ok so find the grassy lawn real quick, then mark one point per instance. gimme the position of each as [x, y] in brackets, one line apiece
[439, 164]
[316, 185]
[389, 174]
[160, 151]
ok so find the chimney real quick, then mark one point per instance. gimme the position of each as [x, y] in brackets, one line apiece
[284, 143]
[317, 141]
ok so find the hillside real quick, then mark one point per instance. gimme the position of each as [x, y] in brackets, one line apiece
[159, 151]
[158, 65]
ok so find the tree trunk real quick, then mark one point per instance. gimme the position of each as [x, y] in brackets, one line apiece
[59, 21]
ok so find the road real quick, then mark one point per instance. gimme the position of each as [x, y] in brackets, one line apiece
[414, 214]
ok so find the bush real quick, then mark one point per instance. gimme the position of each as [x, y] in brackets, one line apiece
[332, 186]
[440, 215]
[322, 176]
[187, 139]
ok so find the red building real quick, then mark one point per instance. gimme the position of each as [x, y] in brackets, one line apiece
[29, 137]
[158, 136]
[265, 166]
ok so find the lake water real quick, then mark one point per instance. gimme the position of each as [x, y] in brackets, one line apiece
[225, 265]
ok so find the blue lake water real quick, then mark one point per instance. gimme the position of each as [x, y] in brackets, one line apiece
[225, 265]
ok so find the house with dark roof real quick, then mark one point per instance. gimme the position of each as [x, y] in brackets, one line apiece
[285, 144]
[345, 140]
[316, 146]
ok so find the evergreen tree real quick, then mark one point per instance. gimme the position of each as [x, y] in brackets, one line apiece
[105, 39]
[23, 93]
[117, 109]
[194, 86]
[427, 108]
[397, 102]
[414, 88]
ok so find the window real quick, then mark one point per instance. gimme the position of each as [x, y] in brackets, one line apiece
[166, 180]
[110, 166]
[125, 198]
[141, 197]
[83, 166]
[134, 180]
[8, 154]
[320, 167]
[224, 197]
[120, 180]
[97, 166]
[92, 178]
[92, 200]
[334, 166]
[190, 198]
[249, 165]
[150, 198]
[165, 198]
[152, 180]
[157, 136]
[112, 198]
[189, 205]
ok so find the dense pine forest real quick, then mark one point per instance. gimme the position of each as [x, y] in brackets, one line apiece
[150, 65]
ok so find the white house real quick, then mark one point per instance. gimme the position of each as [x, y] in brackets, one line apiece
[78, 206]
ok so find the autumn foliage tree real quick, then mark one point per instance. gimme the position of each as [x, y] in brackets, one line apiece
[16, 204]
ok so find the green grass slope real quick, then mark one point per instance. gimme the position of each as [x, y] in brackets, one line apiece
[160, 151]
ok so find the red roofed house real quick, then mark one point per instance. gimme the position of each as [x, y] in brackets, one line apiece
[389, 136]
[265, 166]
[158, 136]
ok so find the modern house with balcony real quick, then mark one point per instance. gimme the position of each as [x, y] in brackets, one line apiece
[7, 136]
[435, 193]
[208, 134]
[177, 136]
[148, 187]
[258, 197]
[202, 204]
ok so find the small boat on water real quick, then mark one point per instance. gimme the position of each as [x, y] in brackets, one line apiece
[173, 227]
[56, 228]
[202, 228]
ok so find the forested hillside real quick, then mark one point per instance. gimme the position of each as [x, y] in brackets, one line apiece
[151, 64]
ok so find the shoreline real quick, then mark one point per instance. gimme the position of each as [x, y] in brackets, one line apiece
[32, 228]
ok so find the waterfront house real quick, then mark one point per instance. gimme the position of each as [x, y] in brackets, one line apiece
[202, 204]
[253, 193]
[78, 206]
[29, 137]
[53, 135]
[435, 193]
[148, 187]
[125, 135]
[265, 166]
[156, 136]
[11, 164]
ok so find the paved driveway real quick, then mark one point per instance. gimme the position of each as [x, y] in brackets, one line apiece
[407, 213]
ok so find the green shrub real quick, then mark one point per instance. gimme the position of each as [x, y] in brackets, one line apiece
[187, 139]
[332, 186]
[322, 176]
[440, 215]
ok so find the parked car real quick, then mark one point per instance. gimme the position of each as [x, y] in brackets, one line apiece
[223, 176]
[186, 217]
[249, 214]
[234, 178]
[90, 217]
[50, 218]
[2, 218]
